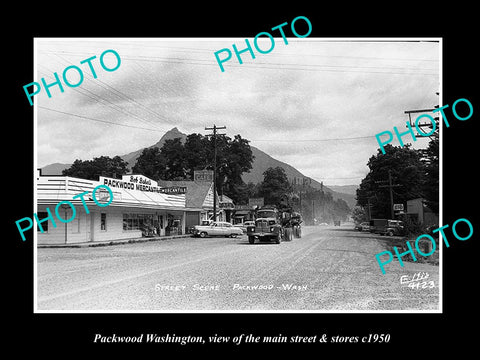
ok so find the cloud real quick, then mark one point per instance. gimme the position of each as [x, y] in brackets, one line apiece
[304, 91]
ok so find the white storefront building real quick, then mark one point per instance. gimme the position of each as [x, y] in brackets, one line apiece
[139, 207]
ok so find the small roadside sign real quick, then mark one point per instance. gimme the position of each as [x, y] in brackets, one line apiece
[398, 207]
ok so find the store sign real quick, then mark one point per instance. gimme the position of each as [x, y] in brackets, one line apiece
[174, 190]
[398, 207]
[203, 175]
[227, 205]
[141, 183]
[242, 208]
[253, 202]
[103, 195]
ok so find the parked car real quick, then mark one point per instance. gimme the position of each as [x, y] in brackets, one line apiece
[243, 226]
[377, 225]
[393, 227]
[217, 228]
[386, 227]
[364, 226]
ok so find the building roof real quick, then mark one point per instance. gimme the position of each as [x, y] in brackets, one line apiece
[198, 195]
[225, 199]
[54, 189]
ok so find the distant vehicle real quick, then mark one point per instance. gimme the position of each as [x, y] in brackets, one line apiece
[217, 228]
[364, 226]
[336, 223]
[323, 224]
[386, 227]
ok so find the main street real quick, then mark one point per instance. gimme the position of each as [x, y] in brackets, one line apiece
[328, 269]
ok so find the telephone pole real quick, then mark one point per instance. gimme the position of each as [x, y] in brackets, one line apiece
[390, 186]
[215, 128]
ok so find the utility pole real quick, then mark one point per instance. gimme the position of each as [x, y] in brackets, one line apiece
[215, 128]
[313, 211]
[369, 210]
[390, 186]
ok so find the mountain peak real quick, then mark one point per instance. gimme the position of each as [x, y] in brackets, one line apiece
[170, 135]
[173, 130]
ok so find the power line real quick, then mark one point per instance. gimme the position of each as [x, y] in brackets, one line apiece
[102, 121]
[282, 66]
[190, 49]
[340, 178]
[115, 92]
[99, 100]
[121, 93]
[141, 57]
[314, 140]
[150, 129]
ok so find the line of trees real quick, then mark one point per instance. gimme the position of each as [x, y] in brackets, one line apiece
[177, 160]
[315, 205]
[414, 172]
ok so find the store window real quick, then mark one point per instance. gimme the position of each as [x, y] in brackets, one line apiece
[174, 225]
[103, 221]
[147, 223]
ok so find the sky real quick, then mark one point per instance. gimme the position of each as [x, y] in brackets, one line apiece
[313, 103]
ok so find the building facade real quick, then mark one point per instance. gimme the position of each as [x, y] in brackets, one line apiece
[418, 211]
[139, 207]
[199, 195]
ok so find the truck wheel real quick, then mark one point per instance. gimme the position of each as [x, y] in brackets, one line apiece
[299, 232]
[278, 239]
[203, 234]
[233, 235]
[251, 239]
[288, 234]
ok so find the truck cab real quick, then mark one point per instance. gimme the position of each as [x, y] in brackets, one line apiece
[265, 229]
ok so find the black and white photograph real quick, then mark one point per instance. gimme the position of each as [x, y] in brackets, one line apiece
[270, 175]
[220, 179]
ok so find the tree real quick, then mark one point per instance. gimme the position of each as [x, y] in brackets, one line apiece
[235, 158]
[174, 156]
[245, 192]
[275, 186]
[177, 161]
[431, 183]
[359, 215]
[197, 154]
[99, 166]
[150, 163]
[407, 171]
